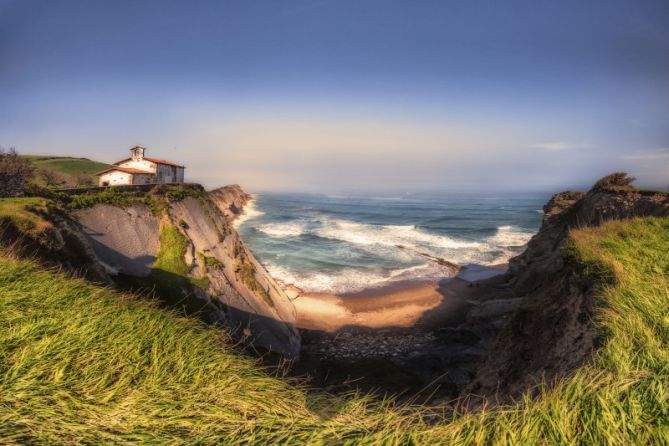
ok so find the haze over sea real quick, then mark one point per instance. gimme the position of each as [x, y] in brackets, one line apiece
[346, 244]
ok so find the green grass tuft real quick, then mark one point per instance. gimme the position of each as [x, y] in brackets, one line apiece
[116, 197]
[24, 214]
[173, 246]
[248, 275]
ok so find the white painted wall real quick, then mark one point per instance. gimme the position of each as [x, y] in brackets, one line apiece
[115, 178]
[140, 164]
[165, 173]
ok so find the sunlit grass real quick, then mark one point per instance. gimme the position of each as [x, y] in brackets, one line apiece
[22, 213]
[67, 166]
[81, 364]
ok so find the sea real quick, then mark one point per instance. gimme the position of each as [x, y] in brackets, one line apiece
[350, 243]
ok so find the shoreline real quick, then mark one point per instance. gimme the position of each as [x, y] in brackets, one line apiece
[416, 303]
[406, 304]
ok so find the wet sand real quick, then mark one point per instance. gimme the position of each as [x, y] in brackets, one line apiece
[426, 306]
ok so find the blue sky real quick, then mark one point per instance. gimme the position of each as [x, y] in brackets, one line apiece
[346, 95]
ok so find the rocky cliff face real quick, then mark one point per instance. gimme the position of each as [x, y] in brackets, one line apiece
[124, 239]
[218, 268]
[230, 200]
[257, 307]
[551, 333]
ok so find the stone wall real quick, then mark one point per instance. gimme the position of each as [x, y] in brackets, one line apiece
[11, 185]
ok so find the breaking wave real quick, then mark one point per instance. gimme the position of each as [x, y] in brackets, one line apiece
[248, 213]
[388, 235]
[352, 280]
[507, 237]
[281, 230]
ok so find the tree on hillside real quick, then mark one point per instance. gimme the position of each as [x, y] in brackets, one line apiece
[51, 178]
[83, 180]
[14, 172]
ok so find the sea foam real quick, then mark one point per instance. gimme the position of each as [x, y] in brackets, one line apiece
[248, 213]
[352, 280]
[281, 230]
[388, 235]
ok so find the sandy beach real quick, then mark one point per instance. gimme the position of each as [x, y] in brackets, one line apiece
[398, 306]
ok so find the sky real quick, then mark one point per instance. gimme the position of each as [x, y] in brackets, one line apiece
[346, 96]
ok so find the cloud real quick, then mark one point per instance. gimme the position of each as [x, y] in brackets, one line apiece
[648, 155]
[557, 146]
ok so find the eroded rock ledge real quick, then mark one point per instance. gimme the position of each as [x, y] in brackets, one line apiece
[552, 331]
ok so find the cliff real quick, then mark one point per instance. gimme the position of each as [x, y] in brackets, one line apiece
[230, 200]
[552, 332]
[173, 241]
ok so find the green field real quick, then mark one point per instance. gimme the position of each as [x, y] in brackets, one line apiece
[67, 166]
[83, 364]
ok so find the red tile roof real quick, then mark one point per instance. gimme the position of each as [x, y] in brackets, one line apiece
[153, 160]
[126, 170]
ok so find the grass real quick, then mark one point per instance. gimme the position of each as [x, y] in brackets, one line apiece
[170, 276]
[115, 197]
[82, 364]
[23, 214]
[173, 246]
[67, 166]
[170, 269]
[248, 274]
[158, 199]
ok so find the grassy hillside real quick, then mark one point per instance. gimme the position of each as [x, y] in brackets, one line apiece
[82, 364]
[67, 166]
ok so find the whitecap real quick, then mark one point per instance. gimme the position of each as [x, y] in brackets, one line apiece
[351, 280]
[249, 212]
[509, 236]
[388, 235]
[282, 230]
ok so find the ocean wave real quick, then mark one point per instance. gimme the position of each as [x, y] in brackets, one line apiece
[388, 235]
[351, 280]
[508, 242]
[508, 236]
[282, 230]
[249, 212]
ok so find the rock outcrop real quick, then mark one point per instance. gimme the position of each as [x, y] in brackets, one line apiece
[257, 307]
[124, 239]
[551, 333]
[230, 200]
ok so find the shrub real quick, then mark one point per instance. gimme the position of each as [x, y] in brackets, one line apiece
[110, 196]
[178, 192]
[83, 180]
[14, 172]
[615, 182]
[51, 178]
